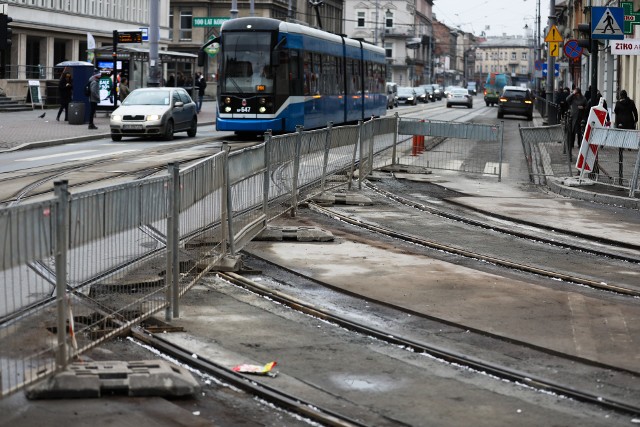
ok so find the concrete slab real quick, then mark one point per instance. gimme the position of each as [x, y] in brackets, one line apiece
[135, 378]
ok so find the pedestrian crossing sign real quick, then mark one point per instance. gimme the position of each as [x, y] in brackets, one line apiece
[607, 23]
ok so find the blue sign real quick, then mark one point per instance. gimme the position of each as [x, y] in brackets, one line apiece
[607, 23]
[545, 67]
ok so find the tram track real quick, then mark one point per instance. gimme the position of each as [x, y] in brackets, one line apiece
[441, 353]
[554, 275]
[35, 186]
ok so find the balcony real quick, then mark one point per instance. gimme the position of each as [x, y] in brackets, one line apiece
[399, 32]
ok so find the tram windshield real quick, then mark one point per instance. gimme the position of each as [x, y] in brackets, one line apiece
[246, 67]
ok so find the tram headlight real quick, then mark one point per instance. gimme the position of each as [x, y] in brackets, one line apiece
[262, 109]
[262, 101]
[227, 101]
[227, 109]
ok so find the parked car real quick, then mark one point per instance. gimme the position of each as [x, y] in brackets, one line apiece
[392, 95]
[158, 111]
[423, 95]
[430, 92]
[516, 100]
[459, 96]
[447, 90]
[438, 93]
[407, 95]
[472, 88]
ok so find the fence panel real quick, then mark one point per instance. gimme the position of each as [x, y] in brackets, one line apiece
[201, 231]
[618, 158]
[546, 152]
[28, 305]
[463, 147]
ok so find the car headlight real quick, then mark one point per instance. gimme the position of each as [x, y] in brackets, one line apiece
[153, 117]
[410, 98]
[116, 117]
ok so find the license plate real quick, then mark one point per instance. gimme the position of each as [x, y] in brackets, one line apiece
[131, 126]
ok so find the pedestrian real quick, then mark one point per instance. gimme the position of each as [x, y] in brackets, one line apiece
[65, 90]
[94, 97]
[577, 104]
[626, 112]
[124, 89]
[172, 81]
[201, 83]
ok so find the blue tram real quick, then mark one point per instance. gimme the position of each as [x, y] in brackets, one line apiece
[277, 75]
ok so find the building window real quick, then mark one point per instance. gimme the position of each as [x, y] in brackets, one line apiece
[388, 50]
[513, 55]
[361, 19]
[523, 69]
[524, 56]
[185, 25]
[388, 19]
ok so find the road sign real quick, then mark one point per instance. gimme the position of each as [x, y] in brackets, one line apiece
[606, 23]
[588, 152]
[631, 18]
[145, 33]
[553, 35]
[554, 49]
[211, 21]
[572, 50]
[556, 68]
[538, 64]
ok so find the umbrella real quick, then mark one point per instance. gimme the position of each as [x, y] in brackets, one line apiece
[74, 64]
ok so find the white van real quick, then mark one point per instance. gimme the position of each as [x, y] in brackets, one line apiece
[392, 95]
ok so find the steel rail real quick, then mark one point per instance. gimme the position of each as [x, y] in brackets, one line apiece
[474, 255]
[455, 217]
[292, 403]
[435, 351]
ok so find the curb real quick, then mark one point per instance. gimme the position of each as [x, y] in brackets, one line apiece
[557, 186]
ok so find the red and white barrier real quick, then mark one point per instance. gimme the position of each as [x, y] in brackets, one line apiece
[588, 152]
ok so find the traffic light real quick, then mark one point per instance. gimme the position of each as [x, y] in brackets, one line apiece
[585, 31]
[5, 32]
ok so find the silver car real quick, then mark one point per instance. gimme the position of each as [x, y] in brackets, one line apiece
[459, 96]
[157, 111]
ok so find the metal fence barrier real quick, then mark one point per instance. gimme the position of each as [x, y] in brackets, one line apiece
[616, 158]
[77, 269]
[462, 147]
[546, 152]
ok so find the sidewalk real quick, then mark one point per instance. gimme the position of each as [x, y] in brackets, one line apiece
[25, 129]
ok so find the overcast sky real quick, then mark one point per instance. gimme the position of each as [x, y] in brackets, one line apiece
[500, 16]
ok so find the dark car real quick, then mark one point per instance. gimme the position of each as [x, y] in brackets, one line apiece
[471, 87]
[517, 101]
[431, 94]
[407, 95]
[423, 95]
[438, 93]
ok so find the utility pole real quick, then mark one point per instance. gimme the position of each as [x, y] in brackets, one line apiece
[551, 61]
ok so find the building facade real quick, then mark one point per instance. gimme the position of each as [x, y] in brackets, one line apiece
[512, 55]
[403, 28]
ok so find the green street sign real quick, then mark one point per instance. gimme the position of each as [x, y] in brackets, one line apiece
[211, 21]
[631, 18]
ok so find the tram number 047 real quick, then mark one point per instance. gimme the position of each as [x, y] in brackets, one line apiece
[244, 110]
